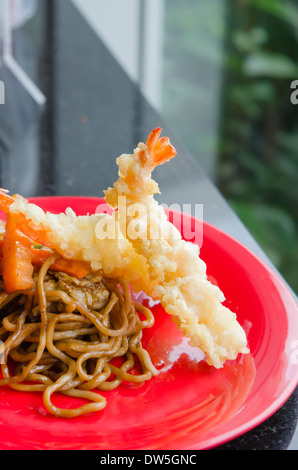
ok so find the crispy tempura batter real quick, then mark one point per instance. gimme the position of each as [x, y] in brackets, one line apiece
[75, 237]
[166, 268]
[178, 273]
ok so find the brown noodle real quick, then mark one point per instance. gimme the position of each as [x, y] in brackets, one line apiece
[62, 345]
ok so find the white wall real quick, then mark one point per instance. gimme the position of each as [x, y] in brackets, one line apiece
[119, 25]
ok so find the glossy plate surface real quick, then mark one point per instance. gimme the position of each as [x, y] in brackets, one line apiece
[189, 405]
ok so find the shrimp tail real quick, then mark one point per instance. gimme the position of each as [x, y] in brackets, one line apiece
[135, 182]
[160, 149]
[178, 274]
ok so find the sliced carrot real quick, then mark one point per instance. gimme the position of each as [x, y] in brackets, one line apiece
[38, 235]
[5, 201]
[17, 258]
[17, 252]
[76, 268]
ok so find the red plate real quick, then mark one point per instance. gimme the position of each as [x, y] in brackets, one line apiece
[189, 405]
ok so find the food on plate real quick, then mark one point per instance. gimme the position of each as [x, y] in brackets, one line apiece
[177, 274]
[67, 311]
[64, 333]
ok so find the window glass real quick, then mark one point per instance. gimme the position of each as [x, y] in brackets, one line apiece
[229, 81]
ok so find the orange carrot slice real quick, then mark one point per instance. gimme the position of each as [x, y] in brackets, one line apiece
[76, 268]
[38, 235]
[18, 253]
[16, 263]
[5, 201]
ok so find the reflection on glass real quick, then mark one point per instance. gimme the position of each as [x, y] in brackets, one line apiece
[228, 70]
[23, 99]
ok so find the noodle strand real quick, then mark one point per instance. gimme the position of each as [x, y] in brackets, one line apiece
[56, 341]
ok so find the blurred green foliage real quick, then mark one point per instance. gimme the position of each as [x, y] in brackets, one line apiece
[258, 147]
[257, 140]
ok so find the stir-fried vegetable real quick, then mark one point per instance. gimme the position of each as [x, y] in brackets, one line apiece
[20, 254]
[17, 258]
[76, 268]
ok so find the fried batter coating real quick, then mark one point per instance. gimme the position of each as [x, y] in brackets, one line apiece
[175, 267]
[165, 267]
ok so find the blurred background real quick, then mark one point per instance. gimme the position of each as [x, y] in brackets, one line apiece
[226, 89]
[218, 71]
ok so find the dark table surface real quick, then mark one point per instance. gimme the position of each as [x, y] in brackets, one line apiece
[94, 112]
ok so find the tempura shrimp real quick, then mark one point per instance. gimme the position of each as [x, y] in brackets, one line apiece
[165, 267]
[176, 270]
[75, 239]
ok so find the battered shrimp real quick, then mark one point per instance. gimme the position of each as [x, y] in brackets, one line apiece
[76, 238]
[148, 252]
[177, 273]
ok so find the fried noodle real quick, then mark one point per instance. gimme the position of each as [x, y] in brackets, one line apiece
[63, 335]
